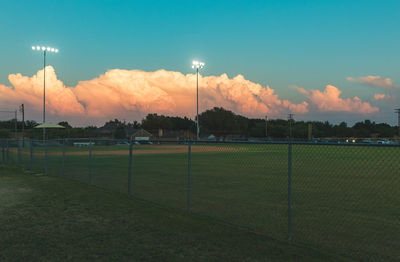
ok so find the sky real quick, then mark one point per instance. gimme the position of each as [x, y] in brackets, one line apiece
[321, 60]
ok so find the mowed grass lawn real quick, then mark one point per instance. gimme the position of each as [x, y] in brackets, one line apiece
[345, 199]
[44, 218]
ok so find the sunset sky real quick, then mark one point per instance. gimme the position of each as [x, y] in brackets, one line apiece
[321, 60]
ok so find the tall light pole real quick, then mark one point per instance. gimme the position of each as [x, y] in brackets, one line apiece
[198, 65]
[45, 50]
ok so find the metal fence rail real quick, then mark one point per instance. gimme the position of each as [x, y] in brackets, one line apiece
[343, 198]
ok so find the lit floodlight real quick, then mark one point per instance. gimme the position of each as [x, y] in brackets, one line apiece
[197, 64]
[44, 48]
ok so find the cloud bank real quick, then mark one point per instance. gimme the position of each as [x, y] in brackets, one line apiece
[132, 94]
[377, 81]
[329, 100]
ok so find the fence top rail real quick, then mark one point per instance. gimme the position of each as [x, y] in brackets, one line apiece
[294, 143]
[93, 141]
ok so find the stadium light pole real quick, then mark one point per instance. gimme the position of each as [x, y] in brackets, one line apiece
[198, 65]
[45, 50]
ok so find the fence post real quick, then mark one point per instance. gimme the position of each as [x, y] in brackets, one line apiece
[130, 167]
[63, 159]
[189, 177]
[31, 155]
[7, 152]
[290, 190]
[90, 161]
[45, 157]
[2, 151]
[18, 153]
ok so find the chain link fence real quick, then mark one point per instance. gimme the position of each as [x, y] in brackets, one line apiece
[341, 198]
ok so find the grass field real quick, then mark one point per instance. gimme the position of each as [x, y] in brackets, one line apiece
[345, 199]
[44, 218]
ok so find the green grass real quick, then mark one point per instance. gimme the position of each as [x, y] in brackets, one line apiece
[45, 218]
[345, 199]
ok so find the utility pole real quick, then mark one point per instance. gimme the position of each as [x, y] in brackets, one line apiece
[266, 126]
[290, 118]
[398, 119]
[22, 109]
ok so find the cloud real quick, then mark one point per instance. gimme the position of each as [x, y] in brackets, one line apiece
[391, 98]
[132, 94]
[377, 81]
[300, 90]
[329, 100]
[60, 100]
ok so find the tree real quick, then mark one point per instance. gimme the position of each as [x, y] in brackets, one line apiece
[65, 124]
[120, 132]
[153, 122]
[219, 122]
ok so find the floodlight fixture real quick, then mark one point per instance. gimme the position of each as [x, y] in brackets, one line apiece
[197, 64]
[45, 49]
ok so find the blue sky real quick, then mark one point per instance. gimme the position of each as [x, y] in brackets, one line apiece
[279, 43]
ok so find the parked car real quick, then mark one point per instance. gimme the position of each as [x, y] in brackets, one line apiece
[143, 142]
[351, 140]
[367, 141]
[122, 143]
[383, 141]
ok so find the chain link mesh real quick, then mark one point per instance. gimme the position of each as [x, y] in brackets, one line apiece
[345, 198]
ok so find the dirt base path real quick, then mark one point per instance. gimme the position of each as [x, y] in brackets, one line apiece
[144, 150]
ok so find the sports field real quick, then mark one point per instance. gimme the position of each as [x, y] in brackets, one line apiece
[346, 199]
[44, 218]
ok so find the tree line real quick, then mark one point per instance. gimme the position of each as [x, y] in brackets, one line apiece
[218, 121]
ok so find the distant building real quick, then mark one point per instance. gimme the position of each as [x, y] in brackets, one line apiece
[140, 135]
[176, 135]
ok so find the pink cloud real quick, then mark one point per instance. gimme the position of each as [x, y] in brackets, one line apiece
[60, 100]
[380, 96]
[330, 100]
[391, 99]
[132, 94]
[377, 81]
[300, 90]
